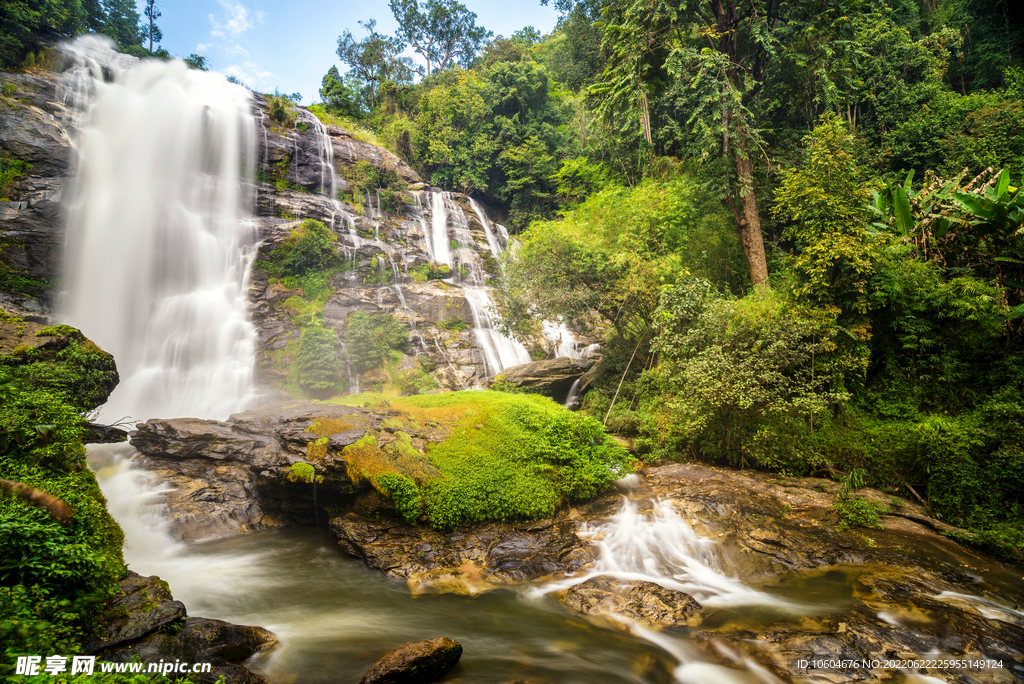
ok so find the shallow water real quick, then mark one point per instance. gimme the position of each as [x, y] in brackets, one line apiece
[335, 617]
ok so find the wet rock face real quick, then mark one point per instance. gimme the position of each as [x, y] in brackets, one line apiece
[550, 377]
[232, 477]
[32, 215]
[466, 560]
[644, 602]
[417, 662]
[147, 623]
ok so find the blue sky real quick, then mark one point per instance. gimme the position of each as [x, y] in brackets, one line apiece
[291, 46]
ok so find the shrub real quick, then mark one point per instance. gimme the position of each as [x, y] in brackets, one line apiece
[313, 249]
[371, 339]
[506, 457]
[745, 377]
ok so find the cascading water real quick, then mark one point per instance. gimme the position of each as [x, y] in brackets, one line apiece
[439, 229]
[159, 234]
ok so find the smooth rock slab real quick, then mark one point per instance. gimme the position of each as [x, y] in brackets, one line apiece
[415, 662]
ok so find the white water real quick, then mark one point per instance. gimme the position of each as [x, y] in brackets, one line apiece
[491, 241]
[442, 252]
[159, 234]
[500, 352]
[562, 339]
[574, 394]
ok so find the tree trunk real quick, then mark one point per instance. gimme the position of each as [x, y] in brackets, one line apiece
[749, 225]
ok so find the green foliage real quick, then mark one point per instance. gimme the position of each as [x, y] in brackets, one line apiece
[744, 379]
[404, 492]
[826, 200]
[443, 32]
[10, 169]
[199, 62]
[453, 323]
[530, 456]
[318, 362]
[304, 472]
[614, 252]
[372, 61]
[282, 109]
[858, 512]
[372, 339]
[53, 577]
[312, 249]
[9, 90]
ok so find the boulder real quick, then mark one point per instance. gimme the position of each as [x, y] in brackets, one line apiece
[550, 377]
[416, 662]
[641, 601]
[145, 622]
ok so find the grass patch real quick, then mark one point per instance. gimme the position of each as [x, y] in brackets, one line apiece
[503, 457]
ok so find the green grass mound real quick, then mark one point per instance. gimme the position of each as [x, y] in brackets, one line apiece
[503, 457]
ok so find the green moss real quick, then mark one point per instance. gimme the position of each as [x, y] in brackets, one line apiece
[504, 456]
[56, 577]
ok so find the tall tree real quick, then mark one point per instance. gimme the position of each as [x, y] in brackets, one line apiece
[374, 59]
[442, 31]
[153, 31]
[710, 58]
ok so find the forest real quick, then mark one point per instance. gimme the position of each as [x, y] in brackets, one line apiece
[797, 227]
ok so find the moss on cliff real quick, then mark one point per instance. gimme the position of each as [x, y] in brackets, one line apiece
[53, 577]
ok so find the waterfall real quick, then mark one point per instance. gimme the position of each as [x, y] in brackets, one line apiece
[574, 394]
[491, 241]
[500, 352]
[439, 229]
[562, 339]
[159, 234]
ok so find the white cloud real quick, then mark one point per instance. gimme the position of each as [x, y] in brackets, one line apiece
[260, 16]
[201, 48]
[236, 19]
[251, 75]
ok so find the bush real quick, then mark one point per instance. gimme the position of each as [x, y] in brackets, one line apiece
[312, 250]
[318, 363]
[745, 378]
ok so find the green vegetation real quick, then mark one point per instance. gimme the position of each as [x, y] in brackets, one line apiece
[505, 457]
[318, 362]
[373, 339]
[54, 576]
[10, 169]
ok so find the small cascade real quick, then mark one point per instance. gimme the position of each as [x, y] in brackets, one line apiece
[418, 212]
[662, 548]
[573, 400]
[491, 241]
[353, 232]
[442, 252]
[325, 151]
[562, 340]
[159, 235]
[590, 350]
[500, 352]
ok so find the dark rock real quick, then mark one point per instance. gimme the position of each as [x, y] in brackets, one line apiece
[104, 434]
[551, 377]
[145, 622]
[643, 601]
[142, 605]
[201, 640]
[417, 662]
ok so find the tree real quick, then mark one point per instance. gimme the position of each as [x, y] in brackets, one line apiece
[318, 361]
[375, 59]
[442, 31]
[340, 94]
[122, 24]
[709, 58]
[153, 31]
[197, 61]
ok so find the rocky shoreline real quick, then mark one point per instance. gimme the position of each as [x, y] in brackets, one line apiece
[905, 582]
